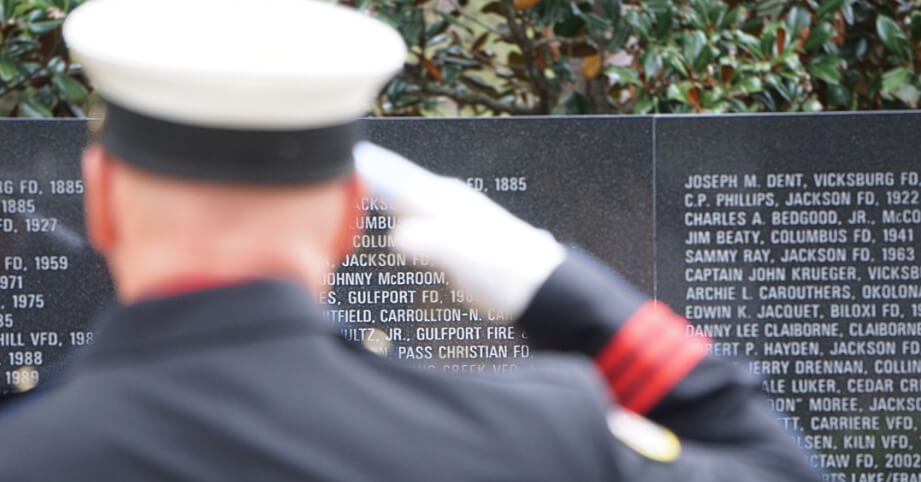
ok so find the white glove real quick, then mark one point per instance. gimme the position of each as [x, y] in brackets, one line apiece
[498, 258]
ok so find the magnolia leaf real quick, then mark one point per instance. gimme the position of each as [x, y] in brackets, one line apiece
[576, 104]
[695, 20]
[828, 8]
[570, 26]
[908, 94]
[612, 9]
[663, 24]
[29, 106]
[750, 43]
[623, 75]
[644, 105]
[823, 32]
[732, 17]
[895, 79]
[813, 105]
[9, 70]
[768, 40]
[596, 24]
[838, 96]
[674, 93]
[826, 68]
[892, 37]
[68, 88]
[44, 26]
[652, 63]
[751, 84]
[797, 18]
[619, 38]
[639, 21]
[676, 62]
[694, 44]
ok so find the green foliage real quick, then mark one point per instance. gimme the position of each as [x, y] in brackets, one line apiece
[487, 57]
[37, 78]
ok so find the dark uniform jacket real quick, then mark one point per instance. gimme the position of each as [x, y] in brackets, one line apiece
[250, 382]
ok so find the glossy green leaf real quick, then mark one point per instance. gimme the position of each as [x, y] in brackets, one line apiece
[702, 9]
[619, 38]
[6, 10]
[623, 75]
[413, 27]
[768, 40]
[694, 43]
[733, 16]
[675, 93]
[750, 43]
[797, 18]
[908, 94]
[68, 88]
[576, 104]
[644, 105]
[611, 9]
[766, 101]
[828, 7]
[895, 79]
[695, 20]
[751, 84]
[717, 13]
[860, 49]
[822, 33]
[596, 24]
[776, 83]
[459, 61]
[838, 96]
[450, 73]
[652, 63]
[43, 26]
[436, 28]
[736, 105]
[570, 26]
[674, 60]
[826, 68]
[640, 21]
[9, 70]
[848, 11]
[892, 37]
[29, 106]
[662, 27]
[813, 105]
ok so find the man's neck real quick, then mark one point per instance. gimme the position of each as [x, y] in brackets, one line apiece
[157, 272]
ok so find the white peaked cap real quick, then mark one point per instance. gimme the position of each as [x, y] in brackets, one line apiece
[242, 91]
[237, 64]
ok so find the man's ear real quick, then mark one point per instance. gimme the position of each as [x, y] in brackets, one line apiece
[97, 198]
[355, 191]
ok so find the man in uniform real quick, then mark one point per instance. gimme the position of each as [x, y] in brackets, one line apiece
[221, 196]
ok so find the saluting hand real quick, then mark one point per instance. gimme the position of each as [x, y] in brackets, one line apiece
[500, 259]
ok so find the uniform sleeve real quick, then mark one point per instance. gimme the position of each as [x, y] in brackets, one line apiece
[655, 366]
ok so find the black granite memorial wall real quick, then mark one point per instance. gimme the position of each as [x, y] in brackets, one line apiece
[51, 282]
[790, 240]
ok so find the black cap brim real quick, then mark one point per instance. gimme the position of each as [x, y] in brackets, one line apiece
[229, 155]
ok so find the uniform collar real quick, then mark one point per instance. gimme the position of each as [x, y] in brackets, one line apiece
[218, 316]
